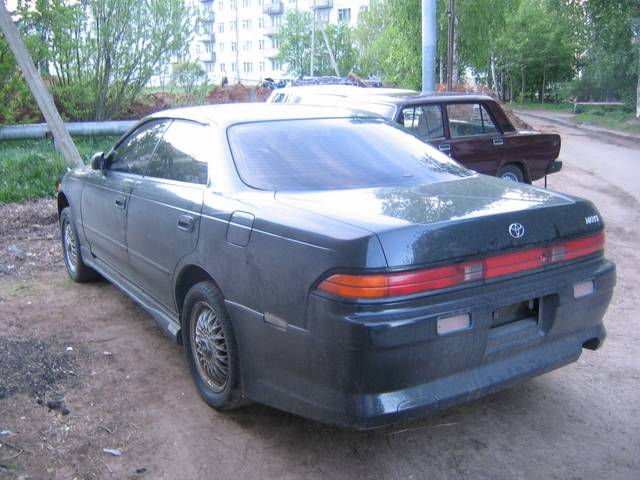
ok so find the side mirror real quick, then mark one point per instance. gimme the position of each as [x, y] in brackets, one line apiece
[97, 161]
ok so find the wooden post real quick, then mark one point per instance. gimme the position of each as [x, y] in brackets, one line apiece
[38, 89]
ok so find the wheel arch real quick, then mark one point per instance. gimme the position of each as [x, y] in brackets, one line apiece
[189, 276]
[63, 202]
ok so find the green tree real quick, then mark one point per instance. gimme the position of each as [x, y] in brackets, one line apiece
[188, 76]
[294, 39]
[102, 53]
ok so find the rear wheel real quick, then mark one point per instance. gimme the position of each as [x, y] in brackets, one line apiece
[76, 268]
[512, 173]
[210, 347]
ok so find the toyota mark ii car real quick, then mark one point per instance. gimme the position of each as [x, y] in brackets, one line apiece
[330, 264]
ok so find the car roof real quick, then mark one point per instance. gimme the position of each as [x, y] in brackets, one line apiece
[397, 99]
[232, 113]
[344, 90]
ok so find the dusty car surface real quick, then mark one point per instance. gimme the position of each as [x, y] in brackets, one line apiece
[473, 129]
[330, 264]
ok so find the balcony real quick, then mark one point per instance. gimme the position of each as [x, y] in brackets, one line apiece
[276, 8]
[272, 31]
[321, 4]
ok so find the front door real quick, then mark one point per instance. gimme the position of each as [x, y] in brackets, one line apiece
[106, 195]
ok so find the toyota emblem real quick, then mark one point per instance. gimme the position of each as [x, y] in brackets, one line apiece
[516, 230]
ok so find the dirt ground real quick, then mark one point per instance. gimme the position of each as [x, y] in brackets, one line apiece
[83, 369]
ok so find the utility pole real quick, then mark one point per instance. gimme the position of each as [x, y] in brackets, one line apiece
[61, 136]
[429, 29]
[333, 59]
[450, 41]
[313, 35]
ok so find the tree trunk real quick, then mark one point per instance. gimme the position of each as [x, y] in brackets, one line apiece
[494, 81]
[523, 75]
[638, 87]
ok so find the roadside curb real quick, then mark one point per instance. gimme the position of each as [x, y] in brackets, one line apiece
[581, 126]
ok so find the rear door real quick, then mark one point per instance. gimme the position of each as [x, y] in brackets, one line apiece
[475, 139]
[105, 198]
[165, 207]
[427, 122]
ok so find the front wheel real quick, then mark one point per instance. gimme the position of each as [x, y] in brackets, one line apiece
[210, 347]
[76, 268]
[512, 173]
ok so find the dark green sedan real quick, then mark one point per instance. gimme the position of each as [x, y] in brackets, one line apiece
[330, 264]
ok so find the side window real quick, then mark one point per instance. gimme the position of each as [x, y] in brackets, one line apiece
[425, 121]
[134, 153]
[467, 119]
[183, 153]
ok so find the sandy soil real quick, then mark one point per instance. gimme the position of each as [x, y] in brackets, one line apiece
[83, 369]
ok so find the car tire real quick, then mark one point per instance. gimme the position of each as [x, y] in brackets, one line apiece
[210, 347]
[76, 268]
[512, 173]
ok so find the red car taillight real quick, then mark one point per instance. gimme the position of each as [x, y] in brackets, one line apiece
[383, 285]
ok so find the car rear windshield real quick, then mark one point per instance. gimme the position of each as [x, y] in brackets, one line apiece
[328, 154]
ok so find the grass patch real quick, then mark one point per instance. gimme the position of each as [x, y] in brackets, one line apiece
[555, 107]
[31, 169]
[613, 119]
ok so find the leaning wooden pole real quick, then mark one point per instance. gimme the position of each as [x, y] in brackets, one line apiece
[62, 138]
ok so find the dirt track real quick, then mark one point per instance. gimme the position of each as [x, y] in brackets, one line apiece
[126, 387]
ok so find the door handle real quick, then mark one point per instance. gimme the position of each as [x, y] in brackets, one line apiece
[185, 222]
[121, 202]
[498, 141]
[445, 147]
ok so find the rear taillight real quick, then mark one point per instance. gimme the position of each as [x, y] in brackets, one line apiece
[383, 285]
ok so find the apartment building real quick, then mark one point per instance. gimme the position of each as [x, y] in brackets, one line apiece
[237, 40]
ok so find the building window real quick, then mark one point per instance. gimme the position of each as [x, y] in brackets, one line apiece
[234, 46]
[233, 67]
[276, 65]
[276, 20]
[220, 5]
[261, 66]
[221, 27]
[209, 66]
[246, 3]
[198, 48]
[322, 15]
[246, 24]
[344, 15]
[247, 46]
[221, 47]
[222, 68]
[260, 44]
[234, 4]
[233, 25]
[247, 67]
[208, 27]
[261, 22]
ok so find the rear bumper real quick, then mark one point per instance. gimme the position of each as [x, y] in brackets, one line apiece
[366, 366]
[553, 167]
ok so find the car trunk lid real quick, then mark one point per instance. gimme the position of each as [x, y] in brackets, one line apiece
[445, 221]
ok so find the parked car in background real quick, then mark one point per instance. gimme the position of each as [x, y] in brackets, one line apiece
[328, 263]
[329, 95]
[472, 129]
